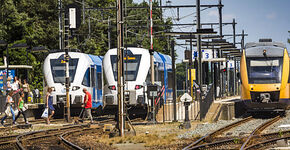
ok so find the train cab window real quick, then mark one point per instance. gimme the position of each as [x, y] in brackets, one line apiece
[131, 66]
[264, 70]
[99, 79]
[58, 69]
[86, 79]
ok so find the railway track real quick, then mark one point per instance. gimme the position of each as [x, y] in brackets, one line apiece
[52, 138]
[258, 131]
[242, 143]
[71, 144]
[45, 138]
[266, 143]
[209, 137]
[8, 142]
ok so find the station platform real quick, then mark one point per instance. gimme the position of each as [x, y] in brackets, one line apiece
[35, 110]
[225, 109]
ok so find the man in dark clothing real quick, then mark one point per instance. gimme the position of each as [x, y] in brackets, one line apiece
[87, 105]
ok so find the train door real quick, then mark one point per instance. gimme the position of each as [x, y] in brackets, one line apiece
[99, 84]
[93, 82]
[96, 85]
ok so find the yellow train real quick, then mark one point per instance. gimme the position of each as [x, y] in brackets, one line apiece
[265, 80]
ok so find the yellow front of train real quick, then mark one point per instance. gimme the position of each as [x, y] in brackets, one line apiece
[265, 76]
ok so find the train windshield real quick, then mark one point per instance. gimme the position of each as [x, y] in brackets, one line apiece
[131, 67]
[58, 69]
[264, 70]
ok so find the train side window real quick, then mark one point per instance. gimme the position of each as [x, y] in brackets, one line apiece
[99, 78]
[86, 79]
[93, 77]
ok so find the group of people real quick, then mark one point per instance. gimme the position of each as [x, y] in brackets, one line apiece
[18, 86]
[10, 105]
[16, 98]
[86, 111]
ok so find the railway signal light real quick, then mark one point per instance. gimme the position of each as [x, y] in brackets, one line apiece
[151, 51]
[113, 87]
[138, 87]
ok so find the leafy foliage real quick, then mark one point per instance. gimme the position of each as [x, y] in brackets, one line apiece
[180, 75]
[35, 22]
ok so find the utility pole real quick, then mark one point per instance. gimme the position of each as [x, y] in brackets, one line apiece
[235, 62]
[243, 40]
[84, 17]
[221, 76]
[151, 44]
[190, 67]
[198, 44]
[120, 55]
[109, 33]
[66, 48]
[174, 80]
[60, 24]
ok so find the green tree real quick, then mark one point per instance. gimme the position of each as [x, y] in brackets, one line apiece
[35, 22]
[180, 75]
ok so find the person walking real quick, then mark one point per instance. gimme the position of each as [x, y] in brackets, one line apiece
[26, 90]
[49, 104]
[9, 103]
[87, 105]
[20, 108]
[16, 88]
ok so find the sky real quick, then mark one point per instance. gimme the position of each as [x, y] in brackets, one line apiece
[258, 18]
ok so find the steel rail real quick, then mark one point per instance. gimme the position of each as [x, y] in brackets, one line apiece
[217, 132]
[237, 140]
[70, 144]
[67, 142]
[259, 130]
[266, 143]
[19, 137]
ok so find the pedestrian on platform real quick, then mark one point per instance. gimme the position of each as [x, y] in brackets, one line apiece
[26, 90]
[87, 105]
[9, 108]
[49, 104]
[16, 88]
[9, 84]
[21, 108]
[16, 84]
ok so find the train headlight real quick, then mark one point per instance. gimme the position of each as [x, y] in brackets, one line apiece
[52, 88]
[74, 88]
[112, 87]
[138, 87]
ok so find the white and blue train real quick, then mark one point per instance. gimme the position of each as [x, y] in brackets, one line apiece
[85, 71]
[137, 76]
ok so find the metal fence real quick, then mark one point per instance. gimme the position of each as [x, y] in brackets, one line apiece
[207, 101]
